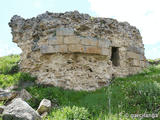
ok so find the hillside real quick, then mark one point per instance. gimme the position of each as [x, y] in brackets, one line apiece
[122, 99]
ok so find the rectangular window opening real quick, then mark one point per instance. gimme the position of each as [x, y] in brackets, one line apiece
[115, 56]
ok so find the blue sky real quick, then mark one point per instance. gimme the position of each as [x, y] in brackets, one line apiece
[146, 17]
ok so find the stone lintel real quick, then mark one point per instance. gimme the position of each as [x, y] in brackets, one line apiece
[104, 43]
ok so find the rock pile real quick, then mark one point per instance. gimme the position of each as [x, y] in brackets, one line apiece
[18, 109]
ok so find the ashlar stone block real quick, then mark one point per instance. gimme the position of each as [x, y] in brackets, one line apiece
[76, 48]
[55, 40]
[104, 43]
[71, 40]
[132, 55]
[135, 49]
[62, 48]
[45, 49]
[92, 50]
[89, 41]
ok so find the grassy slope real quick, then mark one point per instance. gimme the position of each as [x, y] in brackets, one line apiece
[136, 94]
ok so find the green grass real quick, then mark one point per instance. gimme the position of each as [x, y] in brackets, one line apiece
[9, 72]
[15, 79]
[9, 64]
[137, 94]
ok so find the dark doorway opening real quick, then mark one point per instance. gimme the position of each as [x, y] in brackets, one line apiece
[115, 56]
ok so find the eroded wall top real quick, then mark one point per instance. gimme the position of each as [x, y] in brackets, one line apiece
[74, 32]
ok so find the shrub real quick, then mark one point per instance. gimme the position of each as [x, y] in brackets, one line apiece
[70, 113]
[146, 95]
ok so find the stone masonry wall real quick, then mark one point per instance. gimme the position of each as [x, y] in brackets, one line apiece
[77, 51]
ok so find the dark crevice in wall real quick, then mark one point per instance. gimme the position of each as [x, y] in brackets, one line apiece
[115, 56]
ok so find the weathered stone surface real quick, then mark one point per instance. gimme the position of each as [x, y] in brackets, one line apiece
[135, 63]
[44, 114]
[55, 40]
[2, 109]
[62, 48]
[104, 43]
[24, 95]
[75, 48]
[71, 40]
[133, 55]
[136, 49]
[44, 106]
[105, 51]
[93, 49]
[77, 51]
[75, 71]
[49, 49]
[19, 110]
[89, 41]
[143, 63]
[64, 31]
[7, 95]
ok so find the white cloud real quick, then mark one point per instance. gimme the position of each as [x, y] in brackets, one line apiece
[144, 14]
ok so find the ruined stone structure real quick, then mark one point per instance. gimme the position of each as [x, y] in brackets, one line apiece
[77, 51]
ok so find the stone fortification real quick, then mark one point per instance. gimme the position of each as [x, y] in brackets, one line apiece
[77, 51]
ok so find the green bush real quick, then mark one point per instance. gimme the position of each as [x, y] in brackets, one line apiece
[146, 95]
[70, 113]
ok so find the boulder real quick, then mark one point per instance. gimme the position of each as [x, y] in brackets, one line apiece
[19, 110]
[43, 115]
[44, 106]
[24, 94]
[7, 95]
[1, 109]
